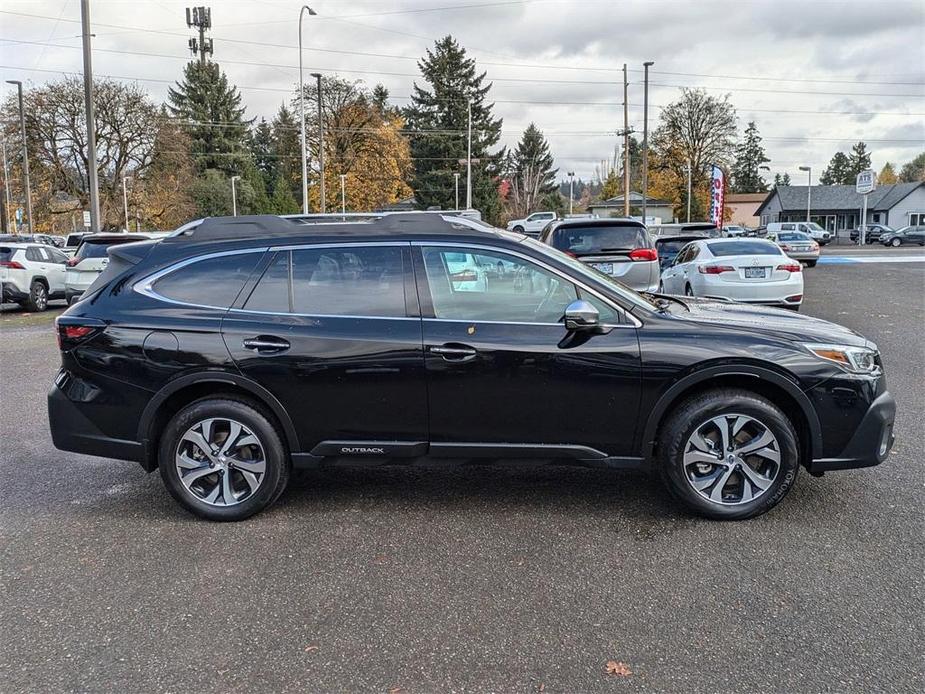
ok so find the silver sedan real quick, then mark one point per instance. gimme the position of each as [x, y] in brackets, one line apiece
[797, 245]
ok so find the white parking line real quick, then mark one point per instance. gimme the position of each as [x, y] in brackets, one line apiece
[845, 259]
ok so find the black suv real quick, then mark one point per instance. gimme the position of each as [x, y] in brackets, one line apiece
[237, 349]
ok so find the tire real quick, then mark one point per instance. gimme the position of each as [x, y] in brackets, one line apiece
[771, 480]
[895, 243]
[205, 494]
[38, 297]
[518, 229]
[811, 263]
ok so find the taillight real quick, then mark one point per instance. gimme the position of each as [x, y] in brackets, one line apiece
[815, 246]
[72, 262]
[644, 254]
[11, 264]
[785, 247]
[714, 269]
[791, 267]
[72, 330]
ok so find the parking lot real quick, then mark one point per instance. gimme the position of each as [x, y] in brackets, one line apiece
[470, 577]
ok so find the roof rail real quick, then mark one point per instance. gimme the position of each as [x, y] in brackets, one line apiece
[225, 228]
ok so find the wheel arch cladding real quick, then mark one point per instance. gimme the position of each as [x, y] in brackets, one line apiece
[177, 394]
[765, 382]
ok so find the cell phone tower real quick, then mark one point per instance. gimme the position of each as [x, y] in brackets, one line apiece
[201, 19]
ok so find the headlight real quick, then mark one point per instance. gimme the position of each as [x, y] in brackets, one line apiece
[858, 360]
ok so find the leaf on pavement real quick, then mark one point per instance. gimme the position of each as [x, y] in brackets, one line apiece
[617, 668]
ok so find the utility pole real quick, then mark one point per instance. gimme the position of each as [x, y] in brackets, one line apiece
[343, 196]
[571, 190]
[234, 196]
[8, 208]
[645, 141]
[469, 157]
[91, 122]
[201, 19]
[317, 76]
[626, 146]
[688, 190]
[311, 12]
[456, 181]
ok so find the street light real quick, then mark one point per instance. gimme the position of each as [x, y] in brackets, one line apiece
[456, 183]
[317, 76]
[809, 189]
[25, 155]
[469, 156]
[571, 190]
[645, 141]
[343, 197]
[234, 196]
[302, 114]
[125, 199]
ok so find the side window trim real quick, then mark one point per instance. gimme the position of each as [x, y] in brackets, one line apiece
[626, 319]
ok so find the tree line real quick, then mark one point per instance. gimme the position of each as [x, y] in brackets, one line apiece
[173, 162]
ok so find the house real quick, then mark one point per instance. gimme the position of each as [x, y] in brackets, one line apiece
[743, 208]
[839, 207]
[660, 209]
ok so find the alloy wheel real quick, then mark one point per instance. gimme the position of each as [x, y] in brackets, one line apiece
[220, 462]
[731, 459]
[41, 297]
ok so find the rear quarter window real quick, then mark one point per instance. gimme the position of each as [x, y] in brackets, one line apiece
[6, 253]
[212, 282]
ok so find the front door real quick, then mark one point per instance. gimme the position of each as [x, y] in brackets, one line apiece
[333, 333]
[501, 373]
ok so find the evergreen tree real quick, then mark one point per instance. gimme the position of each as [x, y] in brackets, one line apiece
[282, 200]
[749, 157]
[437, 117]
[213, 109]
[781, 180]
[261, 147]
[887, 175]
[380, 101]
[287, 156]
[837, 172]
[858, 161]
[530, 173]
[914, 170]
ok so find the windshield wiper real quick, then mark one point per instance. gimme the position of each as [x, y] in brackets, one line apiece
[662, 301]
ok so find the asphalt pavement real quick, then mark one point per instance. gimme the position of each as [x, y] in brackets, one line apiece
[506, 578]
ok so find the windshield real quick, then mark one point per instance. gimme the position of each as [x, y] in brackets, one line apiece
[584, 270]
[793, 236]
[743, 248]
[584, 240]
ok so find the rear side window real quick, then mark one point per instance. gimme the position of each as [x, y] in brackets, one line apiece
[212, 282]
[97, 249]
[744, 248]
[73, 240]
[348, 281]
[599, 239]
[6, 254]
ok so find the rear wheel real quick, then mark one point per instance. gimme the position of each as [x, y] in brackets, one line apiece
[223, 459]
[728, 454]
[38, 297]
[811, 263]
[518, 229]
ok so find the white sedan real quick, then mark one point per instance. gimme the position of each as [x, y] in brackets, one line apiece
[750, 271]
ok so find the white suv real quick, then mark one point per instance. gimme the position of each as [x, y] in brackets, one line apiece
[31, 274]
[531, 225]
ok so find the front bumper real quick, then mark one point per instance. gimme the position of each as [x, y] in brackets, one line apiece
[871, 442]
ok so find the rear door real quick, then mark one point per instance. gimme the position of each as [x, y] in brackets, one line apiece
[334, 332]
[56, 263]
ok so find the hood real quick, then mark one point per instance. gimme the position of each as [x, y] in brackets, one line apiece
[768, 320]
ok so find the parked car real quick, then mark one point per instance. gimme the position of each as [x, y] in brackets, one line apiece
[873, 233]
[818, 234]
[246, 347]
[72, 241]
[667, 247]
[797, 245]
[531, 225]
[750, 271]
[909, 234]
[757, 233]
[31, 274]
[90, 259]
[620, 248]
[679, 229]
[732, 230]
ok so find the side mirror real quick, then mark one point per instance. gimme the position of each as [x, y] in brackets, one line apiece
[582, 316]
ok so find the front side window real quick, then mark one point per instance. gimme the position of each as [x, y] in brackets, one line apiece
[213, 282]
[481, 285]
[346, 281]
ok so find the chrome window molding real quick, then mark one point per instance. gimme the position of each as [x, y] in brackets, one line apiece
[319, 315]
[633, 321]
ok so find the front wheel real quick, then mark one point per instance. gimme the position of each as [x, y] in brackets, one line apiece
[518, 229]
[895, 243]
[728, 454]
[223, 459]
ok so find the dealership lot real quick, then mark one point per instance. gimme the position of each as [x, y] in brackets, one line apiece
[474, 577]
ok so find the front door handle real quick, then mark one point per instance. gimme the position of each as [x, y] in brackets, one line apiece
[454, 352]
[266, 344]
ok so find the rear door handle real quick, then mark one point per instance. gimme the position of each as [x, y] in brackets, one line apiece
[454, 352]
[266, 344]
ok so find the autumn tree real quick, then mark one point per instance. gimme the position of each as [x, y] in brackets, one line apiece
[529, 170]
[887, 175]
[749, 158]
[913, 170]
[437, 118]
[613, 186]
[696, 131]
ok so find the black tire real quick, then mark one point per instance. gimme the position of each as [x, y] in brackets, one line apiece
[690, 416]
[38, 297]
[518, 229]
[811, 263]
[258, 421]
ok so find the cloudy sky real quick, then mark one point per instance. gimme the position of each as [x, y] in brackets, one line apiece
[816, 75]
